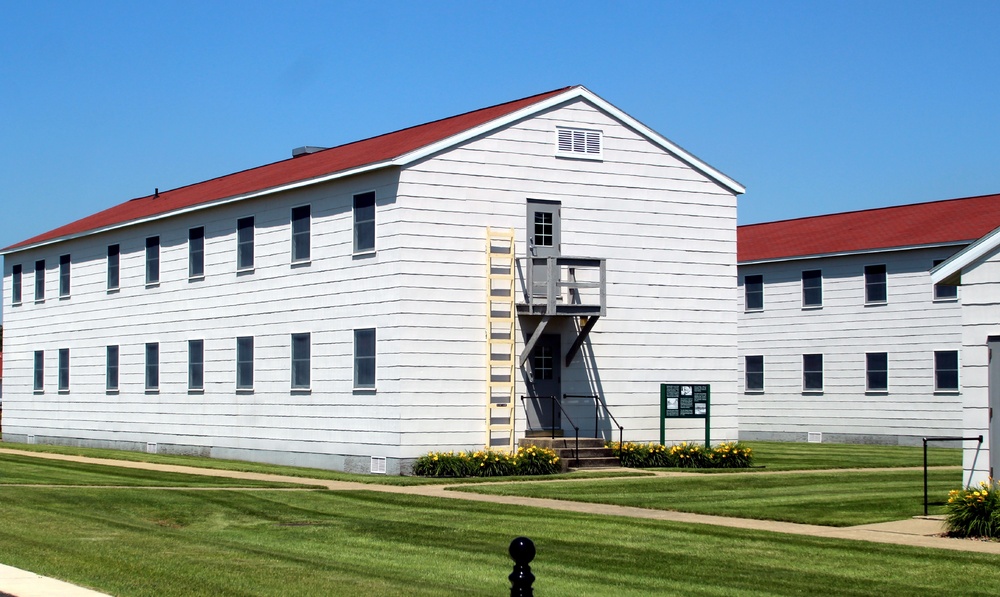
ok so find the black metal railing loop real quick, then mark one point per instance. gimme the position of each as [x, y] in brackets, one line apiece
[554, 401]
[978, 438]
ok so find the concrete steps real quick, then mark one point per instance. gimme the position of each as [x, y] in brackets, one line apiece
[592, 453]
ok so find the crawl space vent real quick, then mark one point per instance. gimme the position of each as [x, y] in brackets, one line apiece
[815, 437]
[31, 439]
[150, 448]
[378, 464]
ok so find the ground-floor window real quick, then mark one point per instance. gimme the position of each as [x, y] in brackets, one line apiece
[39, 377]
[152, 366]
[244, 363]
[812, 372]
[946, 370]
[63, 384]
[196, 364]
[111, 368]
[877, 371]
[754, 373]
[364, 358]
[301, 361]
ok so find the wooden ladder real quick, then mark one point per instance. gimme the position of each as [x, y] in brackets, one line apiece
[501, 316]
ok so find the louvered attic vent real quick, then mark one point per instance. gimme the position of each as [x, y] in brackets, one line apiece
[579, 143]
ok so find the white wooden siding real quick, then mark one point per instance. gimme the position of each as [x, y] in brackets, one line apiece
[909, 328]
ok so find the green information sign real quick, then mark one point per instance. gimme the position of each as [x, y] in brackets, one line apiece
[685, 401]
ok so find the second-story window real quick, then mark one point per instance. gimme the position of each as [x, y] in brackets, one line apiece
[812, 288]
[944, 292]
[875, 284]
[15, 295]
[64, 264]
[153, 260]
[364, 222]
[753, 293]
[244, 243]
[40, 280]
[300, 233]
[114, 260]
[196, 252]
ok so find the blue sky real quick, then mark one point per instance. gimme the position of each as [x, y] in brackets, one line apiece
[816, 107]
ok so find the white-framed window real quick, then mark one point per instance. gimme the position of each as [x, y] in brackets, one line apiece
[944, 292]
[38, 384]
[15, 294]
[244, 243]
[301, 217]
[64, 275]
[111, 369]
[301, 361]
[244, 363]
[812, 372]
[114, 266]
[196, 252]
[877, 371]
[153, 260]
[579, 143]
[812, 288]
[62, 381]
[39, 280]
[364, 222]
[196, 364]
[754, 373]
[753, 293]
[364, 358]
[946, 370]
[875, 284]
[152, 366]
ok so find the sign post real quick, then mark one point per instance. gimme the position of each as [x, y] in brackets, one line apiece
[685, 401]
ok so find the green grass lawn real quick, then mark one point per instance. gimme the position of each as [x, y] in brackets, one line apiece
[782, 456]
[17, 469]
[134, 542]
[835, 499]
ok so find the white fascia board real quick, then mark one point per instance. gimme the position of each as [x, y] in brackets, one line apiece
[574, 93]
[954, 265]
[201, 206]
[849, 253]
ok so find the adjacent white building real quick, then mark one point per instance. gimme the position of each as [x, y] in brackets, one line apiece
[843, 337]
[977, 270]
[355, 307]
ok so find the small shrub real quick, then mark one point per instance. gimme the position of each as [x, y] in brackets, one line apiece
[488, 463]
[974, 512]
[731, 455]
[682, 455]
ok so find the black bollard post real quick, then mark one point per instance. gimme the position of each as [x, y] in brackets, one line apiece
[522, 551]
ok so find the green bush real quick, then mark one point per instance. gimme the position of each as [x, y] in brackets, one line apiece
[682, 455]
[532, 460]
[974, 512]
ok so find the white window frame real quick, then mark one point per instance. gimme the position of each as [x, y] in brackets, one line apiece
[746, 293]
[196, 253]
[805, 372]
[937, 287]
[869, 371]
[111, 367]
[957, 370]
[367, 223]
[579, 143]
[885, 284]
[152, 261]
[62, 377]
[65, 265]
[245, 242]
[40, 281]
[151, 370]
[818, 305]
[359, 359]
[196, 365]
[114, 264]
[38, 372]
[301, 362]
[17, 281]
[746, 374]
[296, 235]
[244, 356]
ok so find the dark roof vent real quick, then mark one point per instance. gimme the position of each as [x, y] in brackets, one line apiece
[306, 149]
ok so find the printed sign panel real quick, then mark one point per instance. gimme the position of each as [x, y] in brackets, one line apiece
[685, 401]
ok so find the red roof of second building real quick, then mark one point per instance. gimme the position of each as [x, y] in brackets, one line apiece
[936, 222]
[337, 159]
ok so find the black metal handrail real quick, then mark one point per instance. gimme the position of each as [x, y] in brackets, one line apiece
[555, 404]
[942, 439]
[599, 402]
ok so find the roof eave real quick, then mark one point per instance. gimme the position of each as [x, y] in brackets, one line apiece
[950, 270]
[957, 243]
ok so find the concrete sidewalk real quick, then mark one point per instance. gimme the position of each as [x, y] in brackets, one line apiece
[918, 531]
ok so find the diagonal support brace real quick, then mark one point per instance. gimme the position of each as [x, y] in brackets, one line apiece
[534, 339]
[584, 332]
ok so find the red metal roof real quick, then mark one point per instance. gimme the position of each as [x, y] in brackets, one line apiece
[337, 159]
[937, 222]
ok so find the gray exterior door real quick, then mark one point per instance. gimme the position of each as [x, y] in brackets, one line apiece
[545, 384]
[544, 238]
[993, 343]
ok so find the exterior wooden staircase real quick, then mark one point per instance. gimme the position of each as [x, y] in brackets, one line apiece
[593, 453]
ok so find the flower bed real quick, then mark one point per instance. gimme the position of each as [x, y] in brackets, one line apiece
[974, 512]
[488, 463]
[683, 455]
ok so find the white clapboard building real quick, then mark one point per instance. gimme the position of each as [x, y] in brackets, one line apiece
[977, 270]
[843, 337]
[355, 307]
